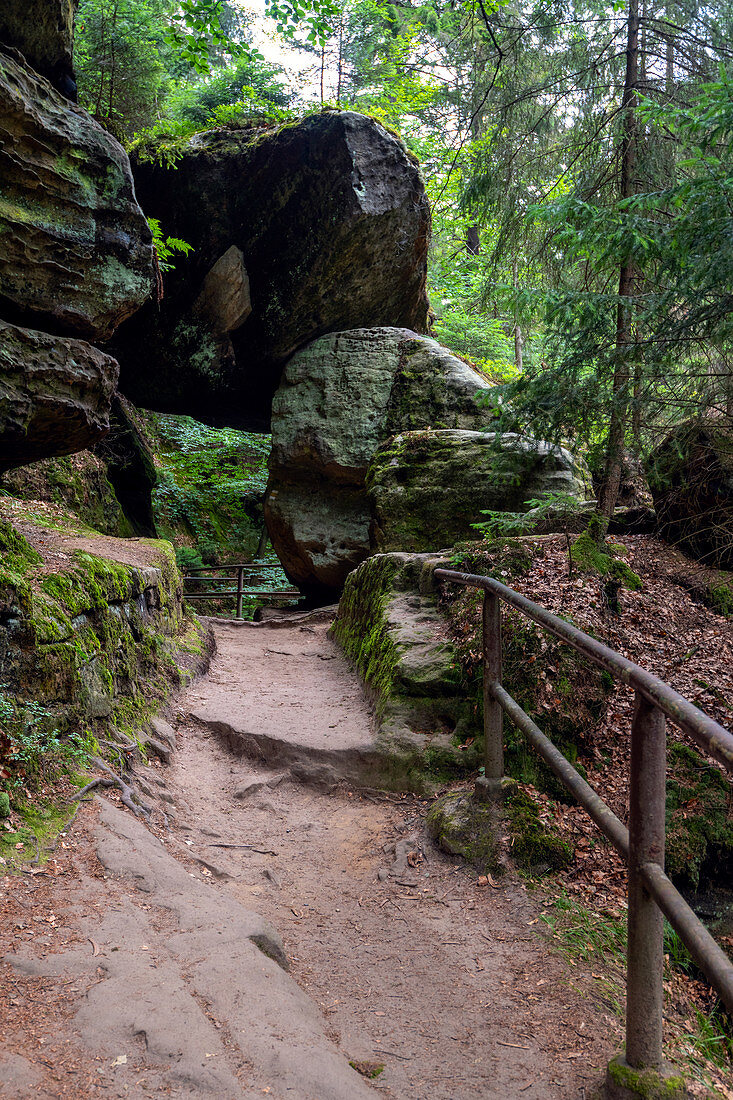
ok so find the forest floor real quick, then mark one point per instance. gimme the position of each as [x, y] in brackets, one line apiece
[446, 985]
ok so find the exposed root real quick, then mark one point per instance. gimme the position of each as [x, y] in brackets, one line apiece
[129, 796]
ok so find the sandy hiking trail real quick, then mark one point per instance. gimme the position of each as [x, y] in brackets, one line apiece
[167, 961]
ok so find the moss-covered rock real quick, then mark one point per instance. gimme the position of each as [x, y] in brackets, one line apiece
[97, 639]
[339, 399]
[426, 489]
[77, 253]
[468, 827]
[395, 635]
[78, 483]
[591, 555]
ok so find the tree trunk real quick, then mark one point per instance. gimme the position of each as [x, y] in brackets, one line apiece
[626, 283]
[518, 341]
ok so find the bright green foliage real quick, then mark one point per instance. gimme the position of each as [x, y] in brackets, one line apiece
[153, 65]
[166, 246]
[211, 487]
[123, 63]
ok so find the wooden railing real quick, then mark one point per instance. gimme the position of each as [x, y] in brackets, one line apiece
[241, 569]
[650, 893]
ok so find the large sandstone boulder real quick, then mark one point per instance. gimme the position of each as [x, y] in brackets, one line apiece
[328, 221]
[76, 255]
[55, 395]
[691, 479]
[43, 31]
[427, 488]
[340, 398]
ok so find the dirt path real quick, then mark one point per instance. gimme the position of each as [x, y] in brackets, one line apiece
[449, 985]
[150, 962]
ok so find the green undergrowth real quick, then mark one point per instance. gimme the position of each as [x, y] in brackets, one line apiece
[211, 485]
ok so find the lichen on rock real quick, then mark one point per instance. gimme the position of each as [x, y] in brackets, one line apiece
[77, 253]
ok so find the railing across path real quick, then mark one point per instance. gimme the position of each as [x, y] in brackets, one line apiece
[650, 893]
[240, 591]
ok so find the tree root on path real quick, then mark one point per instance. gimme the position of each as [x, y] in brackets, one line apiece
[129, 796]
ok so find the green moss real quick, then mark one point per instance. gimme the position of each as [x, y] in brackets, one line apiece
[647, 1084]
[699, 842]
[591, 556]
[466, 827]
[37, 827]
[533, 847]
[18, 556]
[368, 1069]
[361, 627]
[720, 598]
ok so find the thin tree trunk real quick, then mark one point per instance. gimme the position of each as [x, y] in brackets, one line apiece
[341, 60]
[473, 240]
[323, 71]
[518, 341]
[626, 283]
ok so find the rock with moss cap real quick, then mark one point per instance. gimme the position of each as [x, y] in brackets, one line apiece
[330, 218]
[77, 255]
[427, 488]
[390, 626]
[339, 399]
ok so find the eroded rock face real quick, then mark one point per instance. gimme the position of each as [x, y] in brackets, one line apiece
[43, 31]
[55, 395]
[331, 220]
[426, 489]
[76, 256]
[691, 479]
[340, 398]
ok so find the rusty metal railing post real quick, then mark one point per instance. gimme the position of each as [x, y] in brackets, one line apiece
[493, 713]
[645, 957]
[240, 573]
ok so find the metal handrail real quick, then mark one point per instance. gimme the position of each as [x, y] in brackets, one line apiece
[241, 567]
[650, 892]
